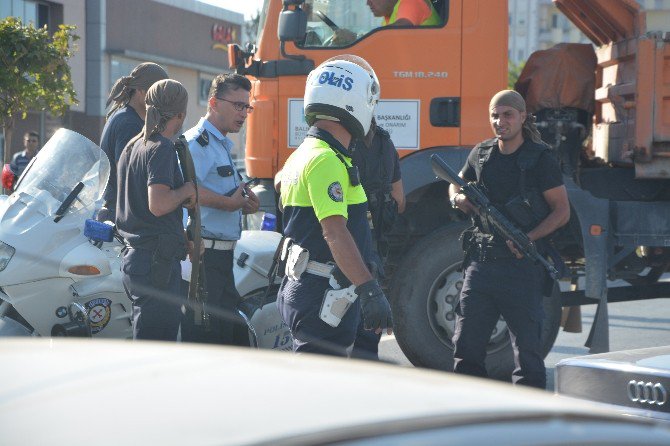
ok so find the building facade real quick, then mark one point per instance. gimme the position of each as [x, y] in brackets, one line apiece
[538, 25]
[188, 38]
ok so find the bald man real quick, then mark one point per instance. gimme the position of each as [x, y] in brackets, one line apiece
[515, 167]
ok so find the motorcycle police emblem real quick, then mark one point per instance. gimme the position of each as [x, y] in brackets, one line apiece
[335, 192]
[99, 312]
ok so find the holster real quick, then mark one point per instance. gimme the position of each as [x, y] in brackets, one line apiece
[337, 279]
[169, 248]
[336, 303]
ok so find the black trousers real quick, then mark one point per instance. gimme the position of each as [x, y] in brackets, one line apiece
[299, 303]
[511, 288]
[222, 301]
[156, 311]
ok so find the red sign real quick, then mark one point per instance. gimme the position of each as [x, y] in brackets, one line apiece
[222, 35]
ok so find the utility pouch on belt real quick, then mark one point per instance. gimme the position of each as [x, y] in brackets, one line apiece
[296, 261]
[168, 249]
[528, 210]
[336, 303]
[468, 244]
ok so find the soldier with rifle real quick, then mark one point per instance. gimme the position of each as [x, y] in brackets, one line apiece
[524, 201]
[223, 198]
[151, 193]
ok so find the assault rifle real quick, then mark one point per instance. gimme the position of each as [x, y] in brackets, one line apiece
[490, 215]
[197, 290]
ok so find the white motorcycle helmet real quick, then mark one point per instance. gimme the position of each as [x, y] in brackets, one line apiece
[343, 91]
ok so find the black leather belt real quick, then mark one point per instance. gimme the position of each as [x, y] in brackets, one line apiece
[485, 253]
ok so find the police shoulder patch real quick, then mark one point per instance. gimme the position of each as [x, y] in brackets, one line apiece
[335, 191]
[203, 138]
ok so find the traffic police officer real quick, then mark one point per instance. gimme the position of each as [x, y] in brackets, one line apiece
[151, 193]
[498, 280]
[325, 212]
[223, 199]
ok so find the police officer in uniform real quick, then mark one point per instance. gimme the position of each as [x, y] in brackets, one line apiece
[223, 200]
[515, 168]
[379, 165]
[151, 193]
[325, 212]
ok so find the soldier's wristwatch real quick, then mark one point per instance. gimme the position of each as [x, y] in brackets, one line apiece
[453, 201]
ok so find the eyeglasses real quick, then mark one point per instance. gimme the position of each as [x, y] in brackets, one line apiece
[239, 106]
[32, 140]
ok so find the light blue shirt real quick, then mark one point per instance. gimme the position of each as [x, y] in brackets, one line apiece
[215, 170]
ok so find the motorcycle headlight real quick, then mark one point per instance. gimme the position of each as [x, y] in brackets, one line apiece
[6, 254]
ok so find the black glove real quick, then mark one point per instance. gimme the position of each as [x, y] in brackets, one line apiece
[374, 306]
[104, 215]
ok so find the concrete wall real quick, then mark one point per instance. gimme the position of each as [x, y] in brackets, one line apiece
[161, 30]
[74, 13]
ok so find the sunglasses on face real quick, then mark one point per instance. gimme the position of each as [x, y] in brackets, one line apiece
[239, 106]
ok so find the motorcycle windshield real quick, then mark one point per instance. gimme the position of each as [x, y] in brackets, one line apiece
[66, 159]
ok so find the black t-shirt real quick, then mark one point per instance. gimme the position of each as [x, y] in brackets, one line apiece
[141, 165]
[121, 127]
[501, 175]
[378, 164]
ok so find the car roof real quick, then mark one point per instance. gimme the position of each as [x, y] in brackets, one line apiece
[110, 391]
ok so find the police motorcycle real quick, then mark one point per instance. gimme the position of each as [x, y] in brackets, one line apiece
[60, 270]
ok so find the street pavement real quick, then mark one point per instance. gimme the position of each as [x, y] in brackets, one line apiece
[632, 325]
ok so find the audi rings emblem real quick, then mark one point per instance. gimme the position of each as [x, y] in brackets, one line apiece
[647, 393]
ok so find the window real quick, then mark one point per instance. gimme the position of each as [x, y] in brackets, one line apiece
[204, 83]
[554, 21]
[352, 20]
[40, 14]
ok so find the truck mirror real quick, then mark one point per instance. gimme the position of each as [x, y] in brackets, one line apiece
[292, 24]
[235, 56]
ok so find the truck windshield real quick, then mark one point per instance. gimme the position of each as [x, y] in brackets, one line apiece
[65, 160]
[340, 23]
[336, 24]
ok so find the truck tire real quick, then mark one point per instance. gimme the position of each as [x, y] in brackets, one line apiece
[424, 291]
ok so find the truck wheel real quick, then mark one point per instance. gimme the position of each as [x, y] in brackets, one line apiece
[424, 293]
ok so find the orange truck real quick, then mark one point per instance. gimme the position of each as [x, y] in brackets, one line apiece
[436, 82]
